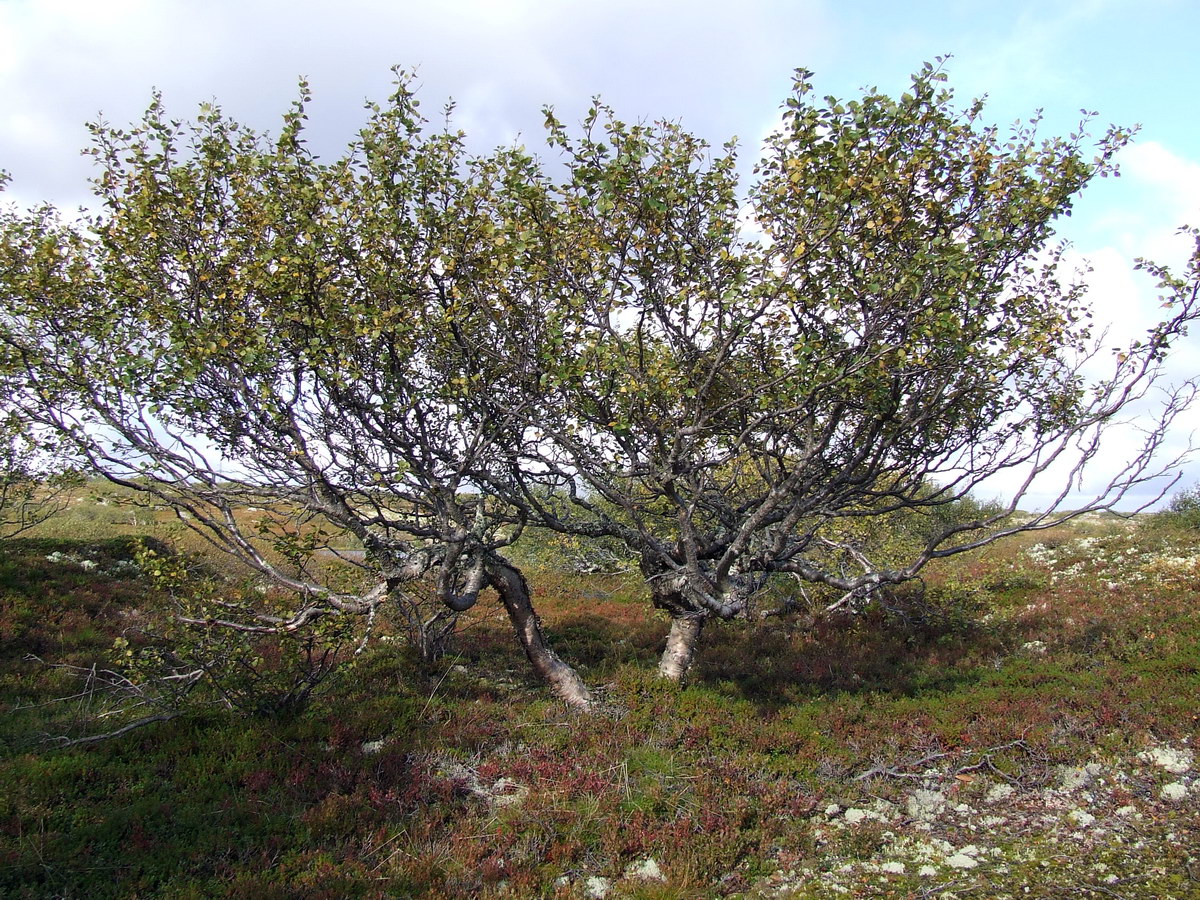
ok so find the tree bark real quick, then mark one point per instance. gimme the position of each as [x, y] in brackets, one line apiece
[680, 652]
[563, 680]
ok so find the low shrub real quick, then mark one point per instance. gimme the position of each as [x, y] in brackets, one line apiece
[1182, 513]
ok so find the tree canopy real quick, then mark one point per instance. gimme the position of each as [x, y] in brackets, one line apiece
[431, 350]
[32, 486]
[879, 328]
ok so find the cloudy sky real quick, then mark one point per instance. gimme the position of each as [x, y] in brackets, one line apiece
[722, 69]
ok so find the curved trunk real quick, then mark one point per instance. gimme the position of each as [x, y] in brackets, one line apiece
[682, 640]
[564, 681]
[686, 622]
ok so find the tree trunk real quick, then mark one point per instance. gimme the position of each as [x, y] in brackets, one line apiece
[564, 681]
[680, 651]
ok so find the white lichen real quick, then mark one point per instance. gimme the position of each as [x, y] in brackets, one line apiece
[924, 806]
[646, 869]
[596, 887]
[1174, 761]
[1174, 792]
[999, 792]
[1081, 817]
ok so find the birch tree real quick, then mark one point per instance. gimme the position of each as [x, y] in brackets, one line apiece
[296, 356]
[749, 381]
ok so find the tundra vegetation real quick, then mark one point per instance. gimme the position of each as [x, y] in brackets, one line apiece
[1025, 728]
[371, 389]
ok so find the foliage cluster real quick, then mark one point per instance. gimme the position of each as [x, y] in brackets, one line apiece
[266, 673]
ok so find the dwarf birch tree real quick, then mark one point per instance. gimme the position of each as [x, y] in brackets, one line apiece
[293, 354]
[886, 324]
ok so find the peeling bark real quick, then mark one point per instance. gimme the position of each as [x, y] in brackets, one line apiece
[563, 680]
[680, 652]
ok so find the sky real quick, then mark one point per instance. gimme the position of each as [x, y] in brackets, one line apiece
[720, 69]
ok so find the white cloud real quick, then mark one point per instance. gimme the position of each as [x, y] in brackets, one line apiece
[62, 61]
[1175, 176]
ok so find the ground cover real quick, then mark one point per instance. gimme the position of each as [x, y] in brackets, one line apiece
[1025, 728]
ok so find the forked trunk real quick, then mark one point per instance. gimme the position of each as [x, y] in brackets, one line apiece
[682, 640]
[564, 681]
